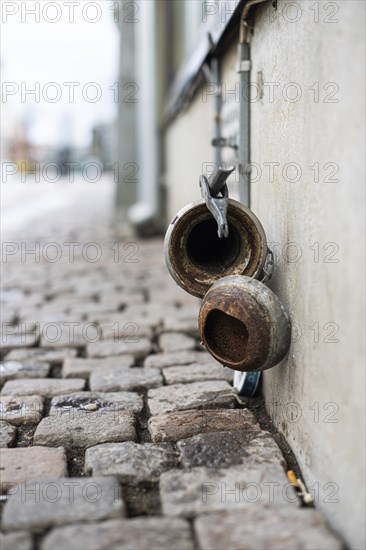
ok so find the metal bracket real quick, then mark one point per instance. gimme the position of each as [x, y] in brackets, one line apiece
[210, 189]
[243, 66]
[225, 142]
[268, 267]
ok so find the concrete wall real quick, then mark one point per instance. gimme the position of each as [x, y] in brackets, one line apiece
[316, 395]
[187, 150]
[321, 383]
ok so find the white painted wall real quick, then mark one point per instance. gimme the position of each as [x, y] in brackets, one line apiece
[326, 376]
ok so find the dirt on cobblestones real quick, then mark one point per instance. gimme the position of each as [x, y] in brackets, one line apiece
[257, 406]
[25, 435]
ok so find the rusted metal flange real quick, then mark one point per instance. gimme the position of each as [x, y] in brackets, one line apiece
[196, 257]
[243, 324]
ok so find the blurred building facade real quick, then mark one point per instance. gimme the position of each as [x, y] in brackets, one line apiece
[306, 140]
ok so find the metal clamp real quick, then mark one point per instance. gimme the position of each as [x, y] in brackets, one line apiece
[210, 189]
[217, 206]
[268, 267]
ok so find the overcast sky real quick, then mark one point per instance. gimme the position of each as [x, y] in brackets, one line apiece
[42, 52]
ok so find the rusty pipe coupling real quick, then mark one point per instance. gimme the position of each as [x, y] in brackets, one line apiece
[242, 322]
[196, 257]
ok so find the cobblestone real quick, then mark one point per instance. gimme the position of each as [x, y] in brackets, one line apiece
[77, 367]
[185, 424]
[126, 330]
[46, 387]
[137, 533]
[16, 541]
[279, 528]
[10, 370]
[18, 339]
[187, 326]
[60, 334]
[105, 348]
[162, 360]
[181, 397]
[196, 373]
[19, 410]
[201, 490]
[173, 341]
[97, 401]
[84, 429]
[7, 434]
[61, 502]
[41, 355]
[23, 464]
[130, 462]
[227, 448]
[117, 379]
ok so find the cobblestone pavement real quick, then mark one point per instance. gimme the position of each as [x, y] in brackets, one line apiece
[117, 429]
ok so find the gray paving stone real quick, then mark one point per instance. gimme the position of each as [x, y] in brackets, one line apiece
[162, 360]
[106, 348]
[41, 504]
[117, 379]
[77, 367]
[223, 449]
[46, 387]
[97, 401]
[152, 312]
[19, 410]
[175, 341]
[85, 429]
[10, 370]
[136, 533]
[130, 462]
[273, 528]
[41, 355]
[7, 434]
[200, 490]
[126, 331]
[19, 339]
[188, 325]
[25, 463]
[120, 319]
[196, 372]
[199, 395]
[185, 424]
[16, 541]
[60, 334]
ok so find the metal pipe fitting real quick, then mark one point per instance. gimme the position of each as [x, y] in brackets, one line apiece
[196, 257]
[243, 324]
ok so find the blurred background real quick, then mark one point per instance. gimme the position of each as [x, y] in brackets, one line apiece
[57, 79]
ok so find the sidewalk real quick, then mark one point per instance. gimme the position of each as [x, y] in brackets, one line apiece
[118, 429]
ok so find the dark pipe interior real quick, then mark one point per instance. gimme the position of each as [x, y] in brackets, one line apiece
[226, 336]
[207, 251]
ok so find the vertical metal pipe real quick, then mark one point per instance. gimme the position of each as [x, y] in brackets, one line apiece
[244, 122]
[244, 110]
[146, 209]
[215, 72]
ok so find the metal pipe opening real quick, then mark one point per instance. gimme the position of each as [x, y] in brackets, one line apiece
[207, 251]
[226, 336]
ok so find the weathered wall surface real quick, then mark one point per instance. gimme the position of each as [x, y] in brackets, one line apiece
[188, 150]
[316, 395]
[308, 190]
